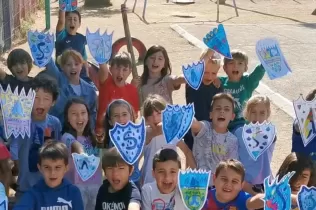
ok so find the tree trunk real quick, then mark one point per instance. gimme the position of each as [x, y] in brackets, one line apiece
[97, 3]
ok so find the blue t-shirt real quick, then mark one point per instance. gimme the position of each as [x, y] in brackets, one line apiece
[28, 150]
[298, 146]
[239, 203]
[41, 197]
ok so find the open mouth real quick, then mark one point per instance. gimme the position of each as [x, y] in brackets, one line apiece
[79, 124]
[52, 179]
[73, 73]
[116, 181]
[235, 72]
[227, 190]
[40, 111]
[155, 66]
[221, 119]
[167, 185]
[119, 79]
[72, 27]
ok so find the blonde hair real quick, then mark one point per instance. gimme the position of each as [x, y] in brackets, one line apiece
[255, 100]
[237, 55]
[64, 57]
[216, 59]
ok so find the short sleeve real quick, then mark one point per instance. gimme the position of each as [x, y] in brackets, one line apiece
[60, 35]
[68, 139]
[146, 201]
[135, 196]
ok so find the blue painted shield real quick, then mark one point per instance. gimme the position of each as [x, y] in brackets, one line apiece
[3, 198]
[68, 5]
[86, 166]
[193, 185]
[129, 139]
[42, 47]
[217, 41]
[307, 198]
[193, 74]
[176, 121]
[100, 46]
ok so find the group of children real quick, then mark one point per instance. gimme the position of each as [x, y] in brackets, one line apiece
[68, 117]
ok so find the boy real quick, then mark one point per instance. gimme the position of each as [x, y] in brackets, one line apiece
[53, 191]
[43, 126]
[202, 98]
[163, 193]
[68, 38]
[240, 85]
[228, 194]
[114, 86]
[117, 192]
[212, 141]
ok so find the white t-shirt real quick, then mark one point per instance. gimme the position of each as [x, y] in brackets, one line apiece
[157, 143]
[152, 199]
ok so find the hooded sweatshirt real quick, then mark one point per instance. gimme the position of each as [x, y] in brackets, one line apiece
[41, 197]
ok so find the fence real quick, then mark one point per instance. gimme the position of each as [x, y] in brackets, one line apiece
[12, 14]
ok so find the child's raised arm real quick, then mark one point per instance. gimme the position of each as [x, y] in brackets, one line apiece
[103, 73]
[255, 77]
[52, 70]
[178, 81]
[255, 202]
[61, 21]
[190, 161]
[196, 126]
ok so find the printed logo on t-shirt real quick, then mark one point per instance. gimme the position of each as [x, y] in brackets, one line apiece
[113, 206]
[62, 207]
[159, 204]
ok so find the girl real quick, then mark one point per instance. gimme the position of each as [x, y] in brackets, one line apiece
[77, 128]
[71, 85]
[304, 173]
[157, 78]
[120, 111]
[257, 110]
[152, 108]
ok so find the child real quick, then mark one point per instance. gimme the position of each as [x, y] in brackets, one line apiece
[20, 64]
[5, 168]
[114, 86]
[257, 110]
[71, 85]
[155, 140]
[297, 142]
[304, 173]
[163, 193]
[77, 129]
[228, 194]
[68, 38]
[202, 98]
[53, 191]
[240, 85]
[117, 192]
[42, 124]
[120, 111]
[212, 140]
[157, 78]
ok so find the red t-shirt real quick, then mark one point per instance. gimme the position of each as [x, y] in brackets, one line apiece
[109, 91]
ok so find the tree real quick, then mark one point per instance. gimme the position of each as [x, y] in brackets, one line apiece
[97, 3]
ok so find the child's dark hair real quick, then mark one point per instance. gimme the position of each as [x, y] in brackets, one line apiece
[112, 158]
[74, 12]
[107, 117]
[298, 163]
[226, 96]
[165, 155]
[47, 83]
[153, 102]
[19, 56]
[237, 55]
[121, 59]
[232, 164]
[166, 70]
[53, 150]
[67, 128]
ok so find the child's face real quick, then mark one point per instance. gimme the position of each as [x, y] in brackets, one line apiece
[222, 113]
[78, 117]
[42, 104]
[20, 71]
[118, 176]
[211, 70]
[258, 113]
[53, 171]
[303, 179]
[235, 69]
[228, 184]
[72, 69]
[120, 74]
[154, 118]
[155, 62]
[166, 175]
[120, 114]
[72, 23]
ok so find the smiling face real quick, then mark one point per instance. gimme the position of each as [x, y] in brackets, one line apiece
[42, 104]
[222, 113]
[228, 184]
[166, 175]
[235, 69]
[120, 74]
[302, 179]
[78, 117]
[120, 114]
[72, 69]
[258, 113]
[155, 63]
[118, 176]
[72, 23]
[20, 71]
[53, 171]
